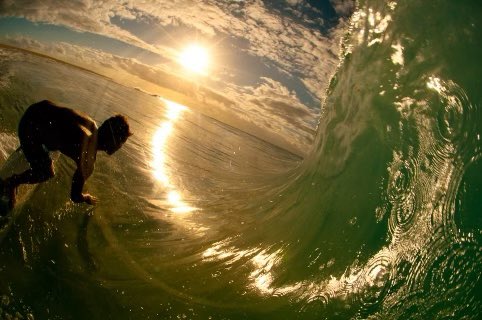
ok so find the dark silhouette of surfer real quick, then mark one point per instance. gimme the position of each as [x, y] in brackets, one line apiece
[46, 127]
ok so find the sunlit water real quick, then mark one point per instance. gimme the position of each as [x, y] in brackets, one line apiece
[199, 220]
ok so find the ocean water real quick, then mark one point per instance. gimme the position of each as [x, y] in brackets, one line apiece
[200, 220]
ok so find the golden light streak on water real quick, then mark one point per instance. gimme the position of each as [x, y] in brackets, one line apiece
[158, 163]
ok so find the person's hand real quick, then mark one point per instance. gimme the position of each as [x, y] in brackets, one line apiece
[87, 198]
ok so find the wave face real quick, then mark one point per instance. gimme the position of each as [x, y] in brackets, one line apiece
[200, 220]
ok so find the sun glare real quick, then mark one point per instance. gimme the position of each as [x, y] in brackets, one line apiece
[194, 58]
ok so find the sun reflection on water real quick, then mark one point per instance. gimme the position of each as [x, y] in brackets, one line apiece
[158, 164]
[262, 263]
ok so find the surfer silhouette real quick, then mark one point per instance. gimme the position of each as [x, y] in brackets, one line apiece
[46, 127]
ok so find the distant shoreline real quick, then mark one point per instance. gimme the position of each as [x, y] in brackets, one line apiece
[43, 55]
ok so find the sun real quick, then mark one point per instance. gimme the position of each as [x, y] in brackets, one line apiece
[194, 58]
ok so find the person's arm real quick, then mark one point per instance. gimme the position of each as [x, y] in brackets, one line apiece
[76, 194]
[85, 165]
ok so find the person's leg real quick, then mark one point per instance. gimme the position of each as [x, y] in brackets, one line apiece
[30, 176]
[41, 169]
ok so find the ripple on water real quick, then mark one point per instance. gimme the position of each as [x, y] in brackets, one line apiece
[443, 280]
[435, 194]
[457, 119]
[456, 269]
[401, 193]
[444, 204]
[468, 203]
[457, 144]
[374, 284]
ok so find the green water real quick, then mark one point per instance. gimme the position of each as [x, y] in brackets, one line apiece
[199, 220]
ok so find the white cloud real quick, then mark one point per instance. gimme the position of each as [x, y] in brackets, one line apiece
[292, 46]
[276, 108]
[82, 15]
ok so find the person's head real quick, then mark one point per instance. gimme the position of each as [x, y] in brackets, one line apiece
[113, 133]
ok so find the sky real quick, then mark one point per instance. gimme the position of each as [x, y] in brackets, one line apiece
[266, 62]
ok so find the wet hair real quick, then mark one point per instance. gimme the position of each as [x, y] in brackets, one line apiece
[114, 132]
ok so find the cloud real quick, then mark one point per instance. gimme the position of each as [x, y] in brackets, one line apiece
[286, 43]
[277, 108]
[83, 15]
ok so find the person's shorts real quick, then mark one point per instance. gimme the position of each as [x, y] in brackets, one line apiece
[37, 156]
[33, 149]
